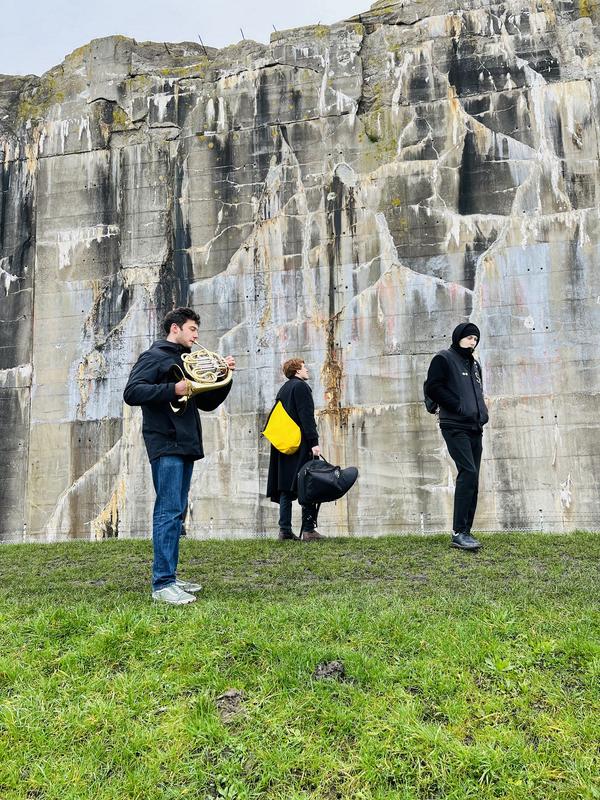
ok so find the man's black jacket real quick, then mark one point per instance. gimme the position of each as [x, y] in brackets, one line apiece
[454, 382]
[151, 385]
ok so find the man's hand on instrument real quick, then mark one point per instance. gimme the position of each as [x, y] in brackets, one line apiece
[230, 361]
[181, 389]
[316, 451]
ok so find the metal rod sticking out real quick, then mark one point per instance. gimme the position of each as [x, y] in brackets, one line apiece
[202, 43]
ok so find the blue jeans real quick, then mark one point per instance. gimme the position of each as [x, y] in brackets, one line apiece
[171, 476]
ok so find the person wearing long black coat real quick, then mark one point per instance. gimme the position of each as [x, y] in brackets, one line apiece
[282, 483]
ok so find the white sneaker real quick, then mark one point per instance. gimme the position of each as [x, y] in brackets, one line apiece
[187, 586]
[174, 595]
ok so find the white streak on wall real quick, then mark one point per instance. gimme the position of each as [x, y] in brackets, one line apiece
[6, 278]
[68, 240]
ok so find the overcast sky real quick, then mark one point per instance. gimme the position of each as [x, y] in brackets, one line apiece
[37, 34]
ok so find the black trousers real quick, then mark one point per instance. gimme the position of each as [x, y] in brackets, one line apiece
[465, 448]
[309, 514]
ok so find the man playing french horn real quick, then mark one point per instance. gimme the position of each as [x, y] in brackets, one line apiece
[171, 383]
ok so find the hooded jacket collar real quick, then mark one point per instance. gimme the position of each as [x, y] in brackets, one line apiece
[170, 347]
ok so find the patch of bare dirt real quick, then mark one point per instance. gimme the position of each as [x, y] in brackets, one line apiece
[230, 704]
[330, 669]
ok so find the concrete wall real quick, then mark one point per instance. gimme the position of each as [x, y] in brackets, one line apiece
[347, 194]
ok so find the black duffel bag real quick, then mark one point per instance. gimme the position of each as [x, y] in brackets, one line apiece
[321, 482]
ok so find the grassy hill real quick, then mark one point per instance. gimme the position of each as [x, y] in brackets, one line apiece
[464, 676]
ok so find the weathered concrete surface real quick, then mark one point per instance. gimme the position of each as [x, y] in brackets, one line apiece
[347, 194]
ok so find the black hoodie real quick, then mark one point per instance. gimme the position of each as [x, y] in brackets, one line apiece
[151, 385]
[454, 382]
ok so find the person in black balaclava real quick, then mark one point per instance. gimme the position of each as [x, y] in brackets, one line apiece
[454, 382]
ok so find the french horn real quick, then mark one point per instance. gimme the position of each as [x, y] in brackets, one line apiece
[202, 371]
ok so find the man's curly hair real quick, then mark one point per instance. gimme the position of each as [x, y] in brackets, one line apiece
[179, 316]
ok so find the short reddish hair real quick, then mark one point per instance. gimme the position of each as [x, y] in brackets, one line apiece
[291, 366]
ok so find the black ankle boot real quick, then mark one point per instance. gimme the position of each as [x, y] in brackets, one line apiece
[287, 536]
[311, 536]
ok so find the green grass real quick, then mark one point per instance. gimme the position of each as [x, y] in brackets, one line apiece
[467, 676]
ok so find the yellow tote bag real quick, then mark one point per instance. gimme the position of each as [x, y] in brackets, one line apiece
[281, 430]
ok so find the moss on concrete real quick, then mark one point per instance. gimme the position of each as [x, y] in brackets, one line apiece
[78, 56]
[589, 8]
[188, 71]
[34, 103]
[120, 118]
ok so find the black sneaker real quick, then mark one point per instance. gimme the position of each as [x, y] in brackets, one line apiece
[464, 541]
